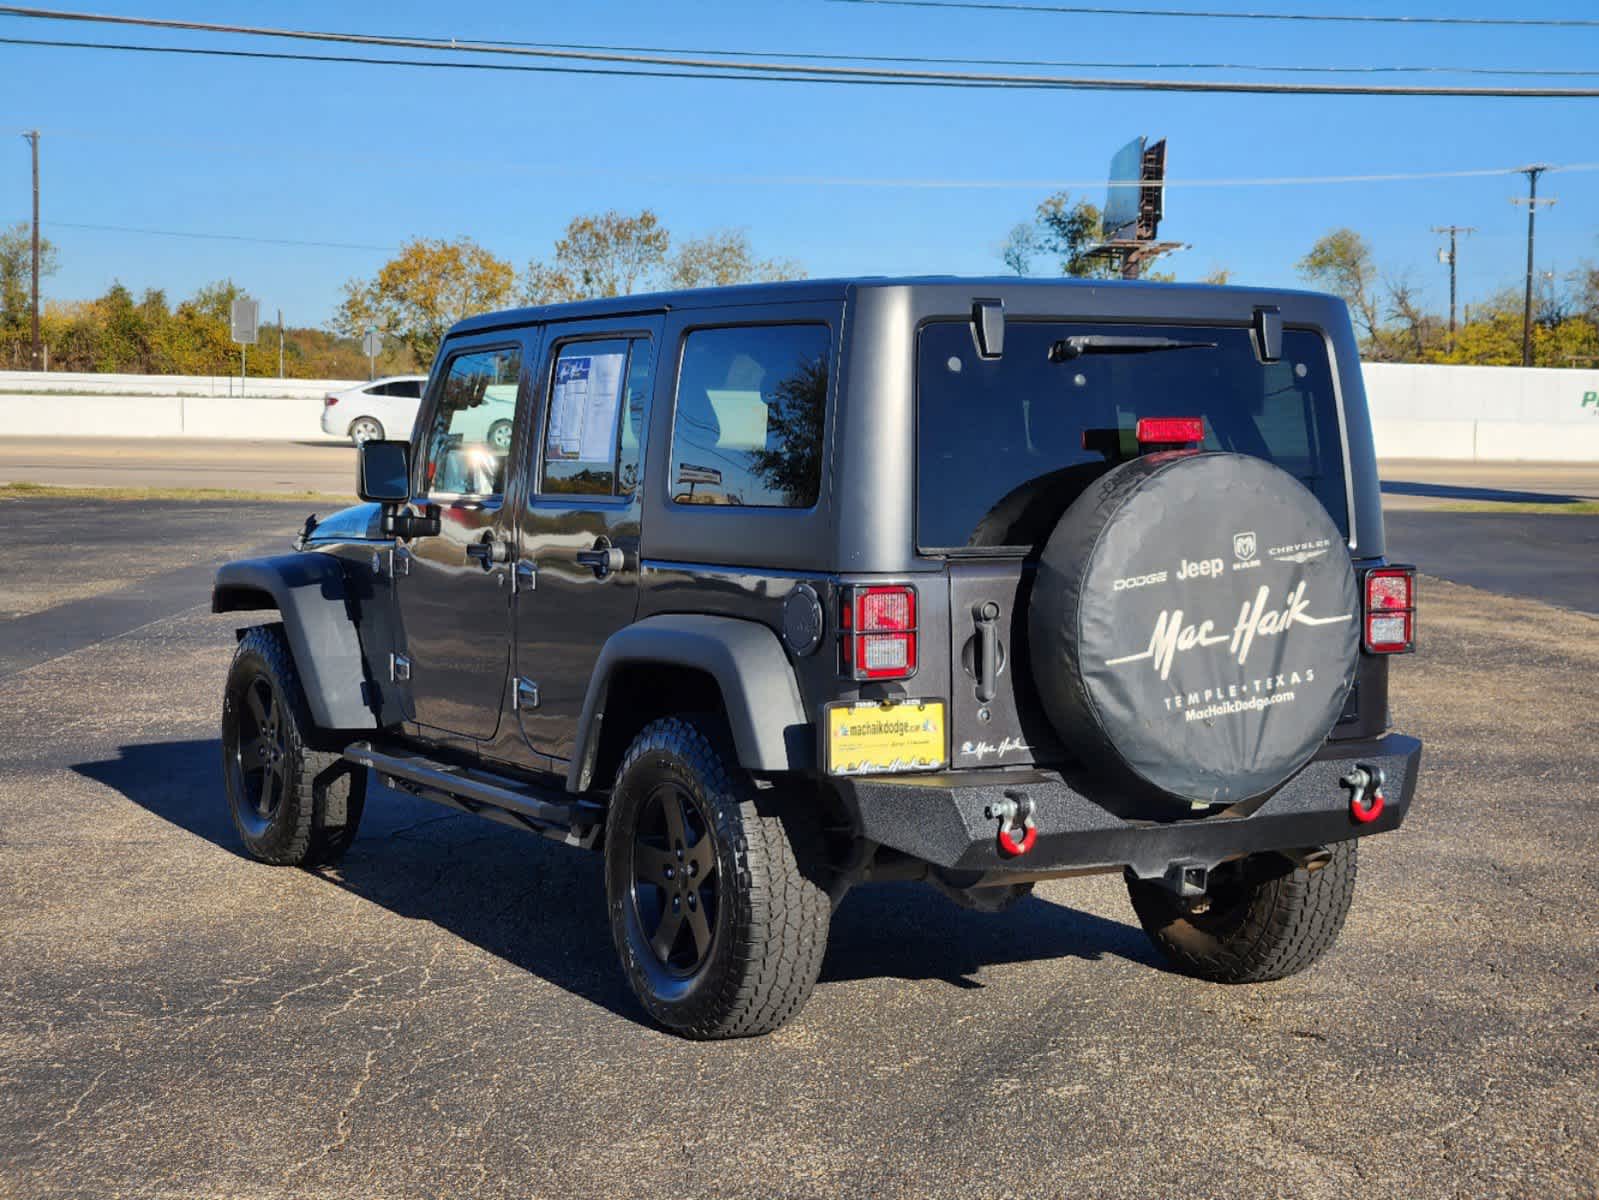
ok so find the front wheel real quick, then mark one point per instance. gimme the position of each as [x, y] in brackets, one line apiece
[713, 885]
[293, 805]
[500, 436]
[1263, 918]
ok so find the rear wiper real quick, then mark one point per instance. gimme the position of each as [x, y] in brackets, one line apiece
[1106, 343]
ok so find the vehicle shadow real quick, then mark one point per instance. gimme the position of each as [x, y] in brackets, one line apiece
[1450, 491]
[539, 907]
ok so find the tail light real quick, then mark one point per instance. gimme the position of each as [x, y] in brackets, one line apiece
[1390, 610]
[329, 401]
[879, 628]
[1170, 431]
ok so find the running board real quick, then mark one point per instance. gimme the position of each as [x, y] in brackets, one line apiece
[544, 810]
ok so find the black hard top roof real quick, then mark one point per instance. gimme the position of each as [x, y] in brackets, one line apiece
[798, 290]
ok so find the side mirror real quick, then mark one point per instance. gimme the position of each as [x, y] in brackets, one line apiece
[383, 472]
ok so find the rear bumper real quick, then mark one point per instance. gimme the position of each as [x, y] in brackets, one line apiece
[940, 818]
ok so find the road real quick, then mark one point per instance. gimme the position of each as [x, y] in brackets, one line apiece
[189, 463]
[443, 1014]
[1549, 558]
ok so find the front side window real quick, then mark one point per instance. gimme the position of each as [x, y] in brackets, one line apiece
[468, 434]
[748, 425]
[594, 419]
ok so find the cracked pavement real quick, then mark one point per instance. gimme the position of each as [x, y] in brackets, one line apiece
[442, 1015]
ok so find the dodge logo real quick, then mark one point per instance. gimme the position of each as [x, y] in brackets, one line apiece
[1244, 545]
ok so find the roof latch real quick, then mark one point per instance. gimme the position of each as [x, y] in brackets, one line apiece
[1268, 333]
[988, 327]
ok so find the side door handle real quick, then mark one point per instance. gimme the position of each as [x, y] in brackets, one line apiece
[603, 559]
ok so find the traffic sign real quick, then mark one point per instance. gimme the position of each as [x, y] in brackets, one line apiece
[246, 321]
[372, 343]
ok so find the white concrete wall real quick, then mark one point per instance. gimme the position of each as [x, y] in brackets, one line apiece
[19, 382]
[1491, 414]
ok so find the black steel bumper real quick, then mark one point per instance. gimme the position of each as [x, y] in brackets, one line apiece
[940, 818]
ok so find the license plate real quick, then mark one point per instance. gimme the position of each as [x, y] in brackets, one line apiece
[868, 737]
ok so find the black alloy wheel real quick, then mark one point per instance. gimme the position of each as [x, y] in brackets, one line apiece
[261, 755]
[674, 891]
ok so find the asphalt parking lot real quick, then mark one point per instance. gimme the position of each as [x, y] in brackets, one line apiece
[443, 1015]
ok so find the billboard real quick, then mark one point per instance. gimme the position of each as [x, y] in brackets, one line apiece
[1120, 218]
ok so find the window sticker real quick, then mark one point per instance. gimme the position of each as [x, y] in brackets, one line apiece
[583, 410]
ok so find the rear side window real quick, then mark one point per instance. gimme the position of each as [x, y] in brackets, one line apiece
[1004, 445]
[406, 389]
[595, 417]
[748, 425]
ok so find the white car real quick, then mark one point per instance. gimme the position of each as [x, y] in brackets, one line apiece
[384, 408]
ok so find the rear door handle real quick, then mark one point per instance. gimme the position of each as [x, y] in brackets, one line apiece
[602, 559]
[986, 614]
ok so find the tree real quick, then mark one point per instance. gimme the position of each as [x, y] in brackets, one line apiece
[418, 294]
[1341, 262]
[609, 254]
[1066, 230]
[1220, 276]
[1418, 335]
[724, 257]
[16, 273]
[1019, 247]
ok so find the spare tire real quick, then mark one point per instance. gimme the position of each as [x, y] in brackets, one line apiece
[1194, 627]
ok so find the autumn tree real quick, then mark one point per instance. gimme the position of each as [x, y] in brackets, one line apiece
[16, 279]
[608, 254]
[722, 258]
[430, 285]
[1342, 263]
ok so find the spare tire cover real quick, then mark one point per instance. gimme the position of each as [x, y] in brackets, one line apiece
[1195, 626]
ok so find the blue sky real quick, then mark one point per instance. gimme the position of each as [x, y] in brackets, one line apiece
[375, 155]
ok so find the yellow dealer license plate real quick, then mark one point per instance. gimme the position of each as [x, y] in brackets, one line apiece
[868, 737]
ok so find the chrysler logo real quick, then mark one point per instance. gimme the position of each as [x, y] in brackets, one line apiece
[1244, 545]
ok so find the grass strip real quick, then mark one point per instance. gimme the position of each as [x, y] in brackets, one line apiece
[1554, 508]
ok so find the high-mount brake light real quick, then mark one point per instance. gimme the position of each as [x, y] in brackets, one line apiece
[879, 625]
[1171, 431]
[1390, 610]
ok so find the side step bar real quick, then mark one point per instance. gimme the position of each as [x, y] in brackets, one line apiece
[545, 810]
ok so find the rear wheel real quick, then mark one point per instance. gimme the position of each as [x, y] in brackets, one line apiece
[366, 429]
[1263, 918]
[500, 436]
[292, 805]
[716, 899]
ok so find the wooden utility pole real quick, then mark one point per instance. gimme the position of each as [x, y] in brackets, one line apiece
[1532, 202]
[1452, 231]
[36, 356]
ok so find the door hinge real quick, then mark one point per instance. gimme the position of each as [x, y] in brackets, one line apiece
[525, 577]
[399, 562]
[399, 668]
[526, 694]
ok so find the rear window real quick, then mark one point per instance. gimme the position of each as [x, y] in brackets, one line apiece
[1001, 445]
[748, 426]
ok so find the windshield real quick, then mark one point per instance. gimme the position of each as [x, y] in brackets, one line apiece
[1004, 445]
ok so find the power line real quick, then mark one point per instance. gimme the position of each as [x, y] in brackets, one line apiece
[933, 60]
[964, 183]
[1209, 15]
[709, 68]
[219, 237]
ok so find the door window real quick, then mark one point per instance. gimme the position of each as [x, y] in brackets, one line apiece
[594, 422]
[748, 427]
[469, 431]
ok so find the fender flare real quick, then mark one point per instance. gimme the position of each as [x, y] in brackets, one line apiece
[309, 591]
[759, 691]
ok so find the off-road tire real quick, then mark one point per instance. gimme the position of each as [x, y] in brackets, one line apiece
[772, 909]
[1275, 920]
[316, 817]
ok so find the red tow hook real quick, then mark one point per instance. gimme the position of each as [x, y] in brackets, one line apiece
[1015, 816]
[1365, 793]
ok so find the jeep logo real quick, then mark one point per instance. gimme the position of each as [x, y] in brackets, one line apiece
[1244, 545]
[1211, 567]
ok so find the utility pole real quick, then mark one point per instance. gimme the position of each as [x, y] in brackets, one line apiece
[1532, 202]
[1452, 231]
[37, 355]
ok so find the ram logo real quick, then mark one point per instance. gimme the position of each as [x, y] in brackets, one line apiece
[1244, 547]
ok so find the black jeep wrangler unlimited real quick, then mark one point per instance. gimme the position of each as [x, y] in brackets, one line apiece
[782, 588]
